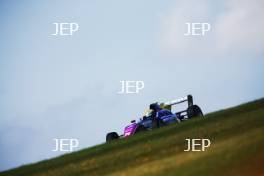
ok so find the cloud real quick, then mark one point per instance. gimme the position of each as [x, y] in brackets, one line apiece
[241, 27]
[236, 28]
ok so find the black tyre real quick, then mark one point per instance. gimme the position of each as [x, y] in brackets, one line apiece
[111, 136]
[194, 111]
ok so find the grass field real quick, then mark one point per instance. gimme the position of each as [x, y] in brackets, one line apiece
[237, 149]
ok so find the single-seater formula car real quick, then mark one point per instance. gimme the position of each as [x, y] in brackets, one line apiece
[158, 115]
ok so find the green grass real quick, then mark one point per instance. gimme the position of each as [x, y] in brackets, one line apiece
[237, 149]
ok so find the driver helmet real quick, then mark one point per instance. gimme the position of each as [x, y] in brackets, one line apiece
[154, 106]
[148, 112]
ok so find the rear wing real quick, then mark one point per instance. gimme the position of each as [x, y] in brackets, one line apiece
[168, 104]
[188, 98]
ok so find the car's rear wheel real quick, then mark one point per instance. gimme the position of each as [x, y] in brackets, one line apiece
[194, 111]
[111, 136]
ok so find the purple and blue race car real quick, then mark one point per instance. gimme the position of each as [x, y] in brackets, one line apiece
[158, 115]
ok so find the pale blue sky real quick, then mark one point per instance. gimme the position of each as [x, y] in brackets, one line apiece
[66, 87]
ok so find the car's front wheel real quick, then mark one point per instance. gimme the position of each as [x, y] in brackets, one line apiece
[111, 136]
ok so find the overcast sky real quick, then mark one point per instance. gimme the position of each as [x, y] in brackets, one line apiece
[66, 86]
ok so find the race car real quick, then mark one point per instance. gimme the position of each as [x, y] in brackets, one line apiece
[158, 115]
